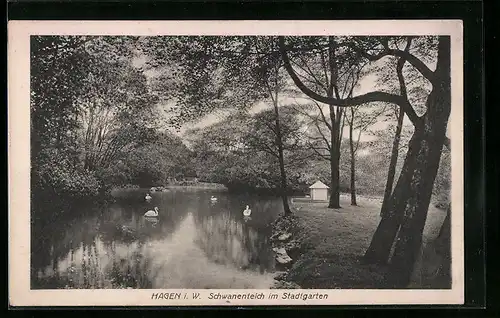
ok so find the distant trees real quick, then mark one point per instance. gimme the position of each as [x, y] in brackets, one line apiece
[221, 156]
[359, 120]
[242, 151]
[158, 162]
[116, 115]
[280, 135]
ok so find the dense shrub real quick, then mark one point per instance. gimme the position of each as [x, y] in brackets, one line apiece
[59, 174]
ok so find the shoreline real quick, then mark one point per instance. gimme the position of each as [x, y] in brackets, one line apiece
[211, 186]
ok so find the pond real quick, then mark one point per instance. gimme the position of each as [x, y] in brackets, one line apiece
[193, 243]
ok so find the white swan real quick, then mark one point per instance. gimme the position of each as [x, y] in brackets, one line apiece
[148, 197]
[247, 211]
[213, 199]
[151, 212]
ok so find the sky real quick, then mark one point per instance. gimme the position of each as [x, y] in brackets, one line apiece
[366, 84]
[215, 117]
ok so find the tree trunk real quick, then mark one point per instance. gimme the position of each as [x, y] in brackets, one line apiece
[392, 164]
[418, 200]
[380, 247]
[284, 197]
[443, 249]
[445, 230]
[334, 202]
[397, 136]
[279, 141]
[353, 162]
[335, 129]
[432, 268]
[415, 212]
[334, 163]
[410, 199]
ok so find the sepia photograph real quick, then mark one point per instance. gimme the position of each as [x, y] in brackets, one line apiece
[239, 166]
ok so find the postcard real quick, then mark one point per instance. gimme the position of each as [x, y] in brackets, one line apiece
[235, 163]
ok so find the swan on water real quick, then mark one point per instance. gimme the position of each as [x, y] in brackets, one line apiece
[152, 212]
[148, 197]
[247, 211]
[213, 199]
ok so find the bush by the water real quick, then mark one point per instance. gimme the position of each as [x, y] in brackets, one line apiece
[57, 173]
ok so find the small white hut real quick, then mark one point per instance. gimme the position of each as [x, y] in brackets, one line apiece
[319, 191]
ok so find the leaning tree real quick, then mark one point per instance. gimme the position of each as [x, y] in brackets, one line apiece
[405, 219]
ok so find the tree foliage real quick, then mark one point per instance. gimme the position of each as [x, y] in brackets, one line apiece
[91, 108]
[58, 69]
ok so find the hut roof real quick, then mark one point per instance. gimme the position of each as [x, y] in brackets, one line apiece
[319, 185]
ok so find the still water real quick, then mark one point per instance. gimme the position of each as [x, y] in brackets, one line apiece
[193, 243]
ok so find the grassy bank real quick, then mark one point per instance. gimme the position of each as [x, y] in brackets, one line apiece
[332, 242]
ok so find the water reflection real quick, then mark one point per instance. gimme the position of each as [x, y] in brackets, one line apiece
[227, 240]
[192, 244]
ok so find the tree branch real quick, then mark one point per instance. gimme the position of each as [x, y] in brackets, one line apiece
[376, 96]
[323, 117]
[310, 72]
[404, 54]
[323, 136]
[319, 153]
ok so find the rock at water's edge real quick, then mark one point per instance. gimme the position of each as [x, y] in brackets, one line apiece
[284, 236]
[281, 256]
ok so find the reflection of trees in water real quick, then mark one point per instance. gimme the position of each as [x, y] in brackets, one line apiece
[227, 240]
[97, 251]
[117, 247]
[84, 266]
[56, 242]
[129, 267]
[99, 265]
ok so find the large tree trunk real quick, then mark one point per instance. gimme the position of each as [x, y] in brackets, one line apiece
[415, 211]
[334, 202]
[410, 199]
[392, 164]
[353, 162]
[380, 247]
[418, 199]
